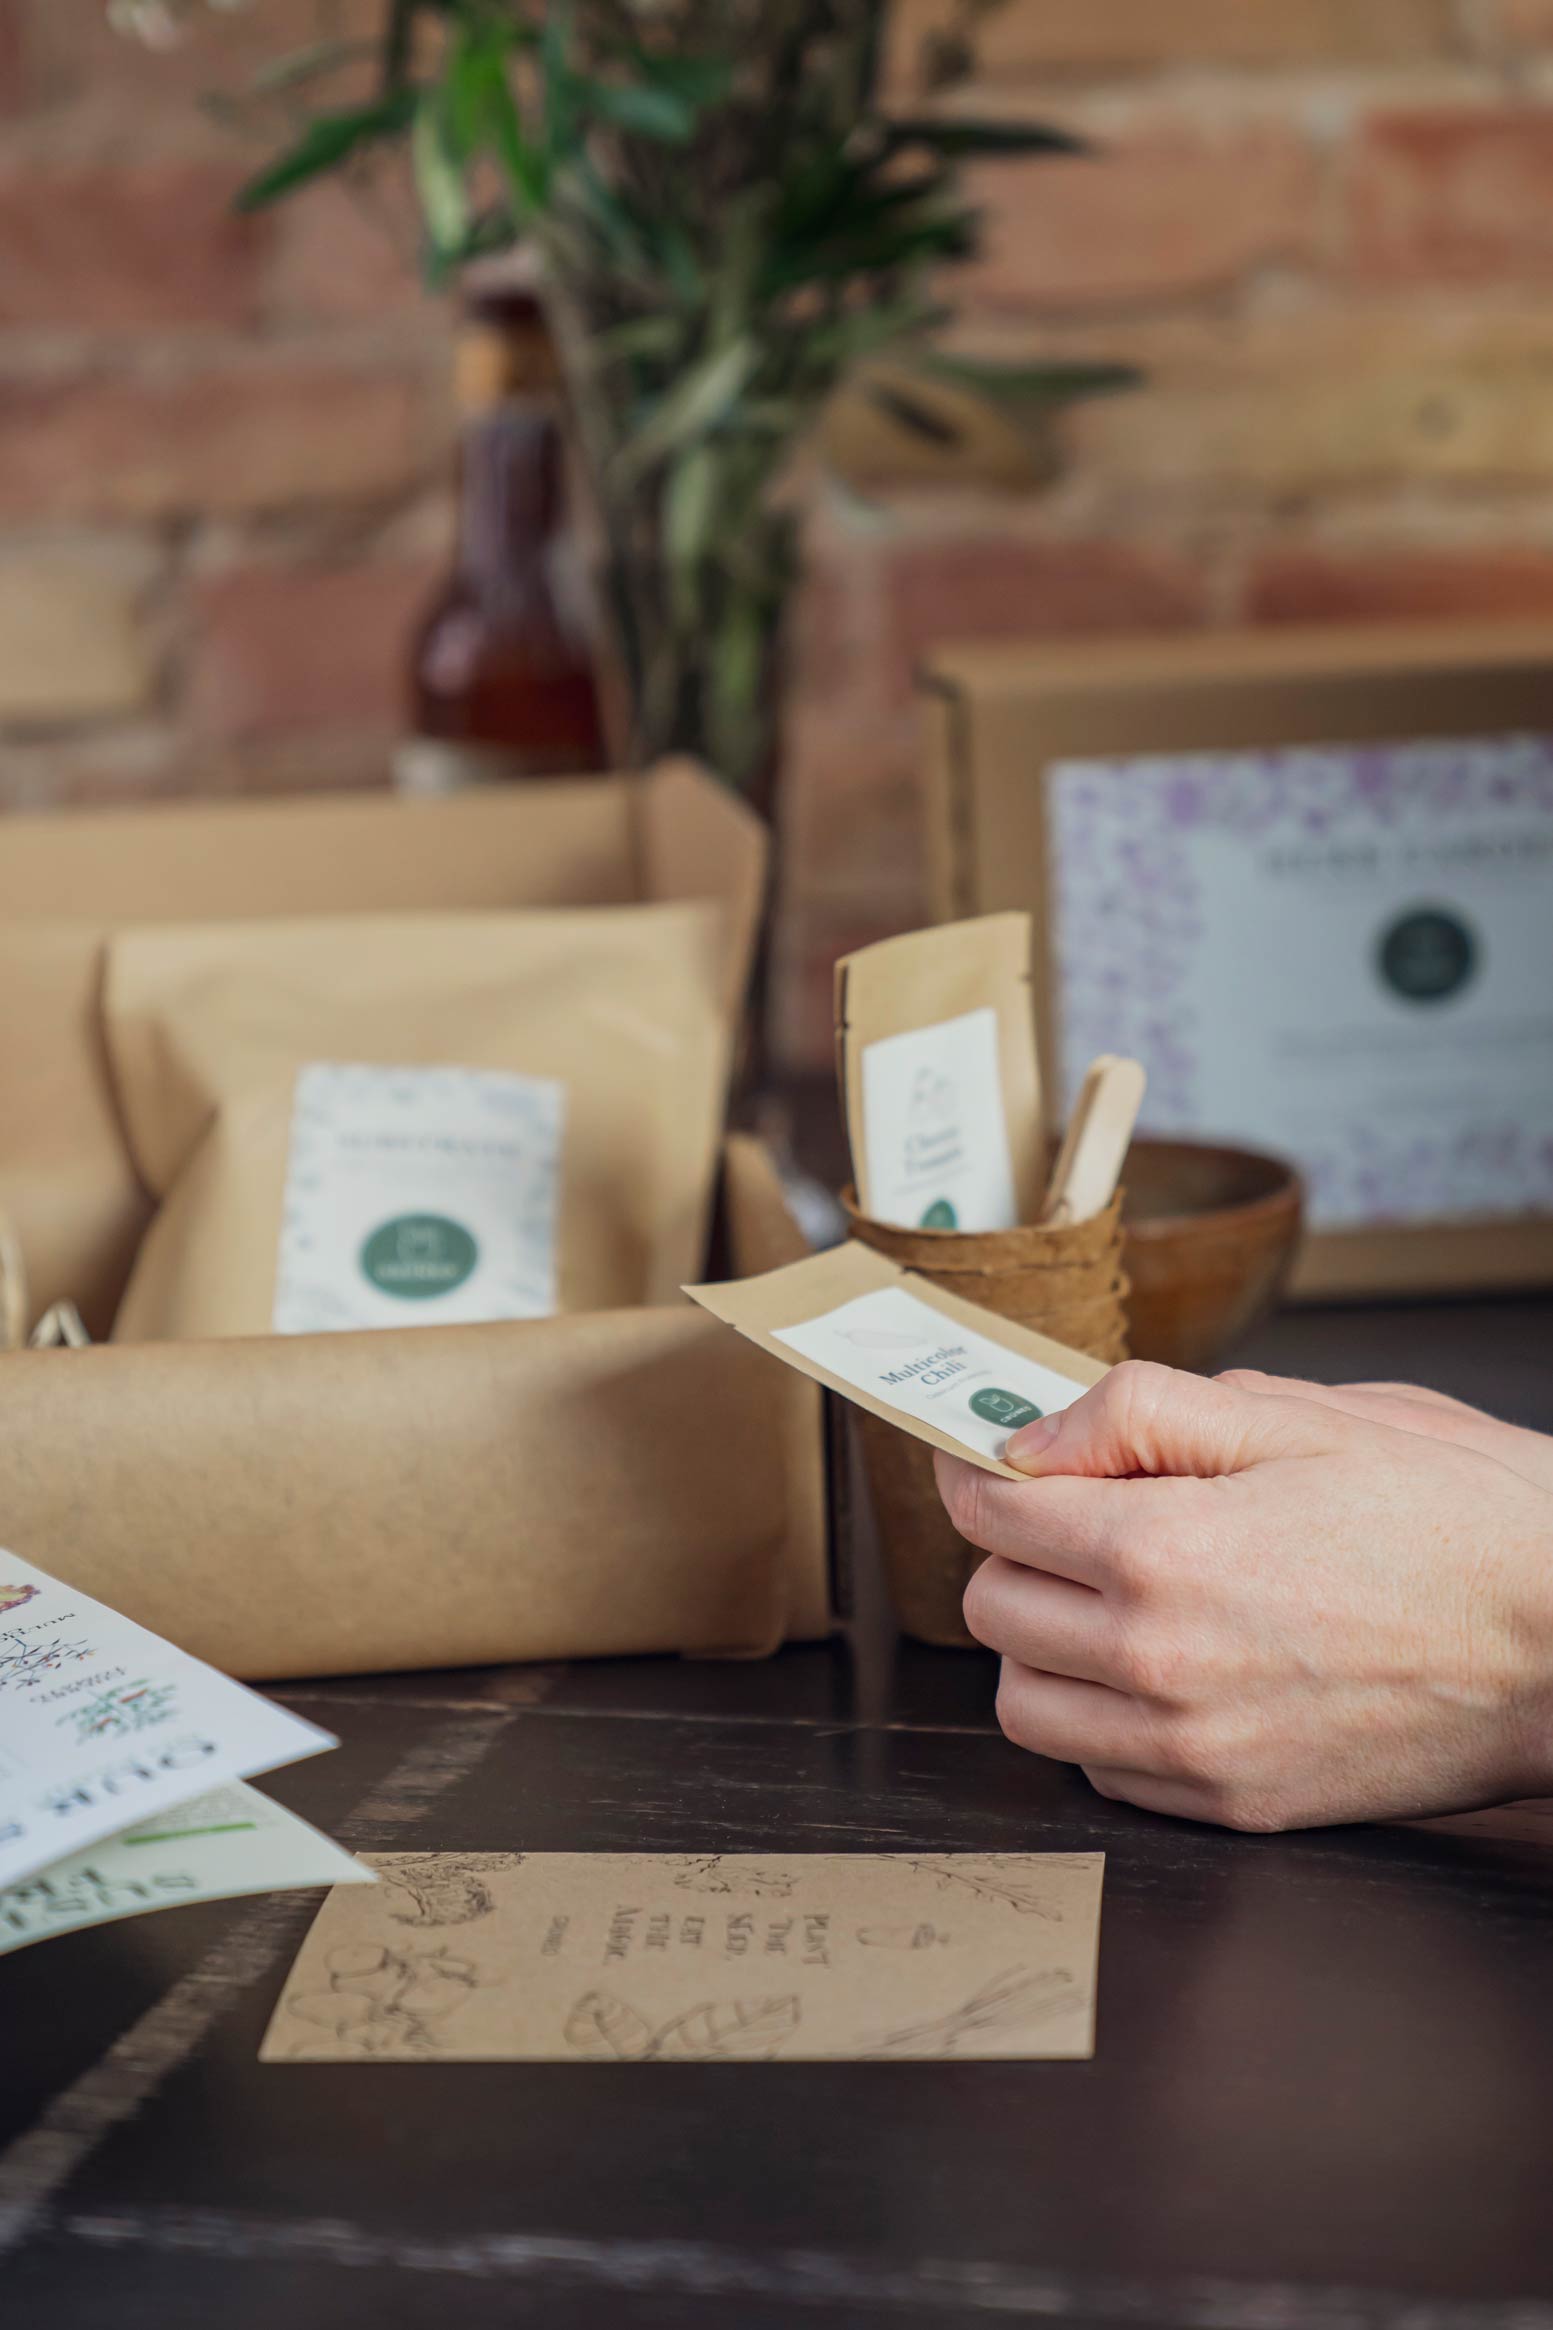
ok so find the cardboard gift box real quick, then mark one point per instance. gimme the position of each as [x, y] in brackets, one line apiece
[1307, 876]
[609, 1482]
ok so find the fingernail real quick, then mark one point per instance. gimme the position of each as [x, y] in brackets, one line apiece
[1031, 1441]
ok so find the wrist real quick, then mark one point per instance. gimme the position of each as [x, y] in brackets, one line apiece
[1530, 1696]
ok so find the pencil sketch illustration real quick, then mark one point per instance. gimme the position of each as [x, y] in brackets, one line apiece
[1000, 1877]
[380, 2001]
[15, 1597]
[705, 1873]
[902, 1937]
[1009, 2002]
[934, 1101]
[440, 1889]
[608, 2029]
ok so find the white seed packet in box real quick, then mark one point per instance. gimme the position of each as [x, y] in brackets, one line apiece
[419, 1197]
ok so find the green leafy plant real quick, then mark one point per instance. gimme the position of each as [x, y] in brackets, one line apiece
[731, 221]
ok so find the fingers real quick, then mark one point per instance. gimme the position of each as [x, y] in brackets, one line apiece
[1180, 1798]
[1156, 1420]
[1092, 1532]
[1045, 1622]
[1075, 1722]
[1251, 1379]
[1186, 1799]
[1405, 1407]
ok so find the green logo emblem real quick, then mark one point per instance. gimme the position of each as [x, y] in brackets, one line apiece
[1005, 1408]
[416, 1256]
[1427, 955]
[940, 1215]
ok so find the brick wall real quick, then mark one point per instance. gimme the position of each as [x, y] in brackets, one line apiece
[1324, 226]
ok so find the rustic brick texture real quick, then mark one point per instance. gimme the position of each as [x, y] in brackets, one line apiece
[1324, 227]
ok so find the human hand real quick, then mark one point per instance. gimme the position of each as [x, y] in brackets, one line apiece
[1262, 1609]
[1413, 1409]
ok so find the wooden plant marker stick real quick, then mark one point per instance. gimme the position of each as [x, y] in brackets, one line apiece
[1089, 1163]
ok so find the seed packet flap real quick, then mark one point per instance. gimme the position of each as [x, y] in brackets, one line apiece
[946, 1371]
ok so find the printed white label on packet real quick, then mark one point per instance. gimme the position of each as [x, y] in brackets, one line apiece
[418, 1197]
[935, 1134]
[913, 1358]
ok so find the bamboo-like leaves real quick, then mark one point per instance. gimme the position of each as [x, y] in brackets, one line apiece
[731, 235]
[439, 177]
[960, 139]
[702, 397]
[1030, 384]
[328, 140]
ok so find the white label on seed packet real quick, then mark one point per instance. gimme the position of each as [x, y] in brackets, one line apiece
[103, 1724]
[916, 1359]
[213, 1848]
[418, 1197]
[935, 1134]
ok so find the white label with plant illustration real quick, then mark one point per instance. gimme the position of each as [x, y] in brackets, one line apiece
[912, 1357]
[418, 1197]
[935, 1133]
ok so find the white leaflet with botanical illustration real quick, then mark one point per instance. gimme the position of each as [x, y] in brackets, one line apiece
[104, 1726]
[214, 1848]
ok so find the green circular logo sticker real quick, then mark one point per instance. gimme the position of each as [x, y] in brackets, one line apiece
[417, 1256]
[1427, 954]
[940, 1215]
[1005, 1408]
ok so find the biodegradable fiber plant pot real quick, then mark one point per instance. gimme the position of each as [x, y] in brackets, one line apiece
[1067, 1283]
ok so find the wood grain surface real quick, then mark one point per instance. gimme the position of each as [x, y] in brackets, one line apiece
[1323, 2096]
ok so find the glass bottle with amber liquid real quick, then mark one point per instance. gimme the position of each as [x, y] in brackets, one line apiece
[502, 675]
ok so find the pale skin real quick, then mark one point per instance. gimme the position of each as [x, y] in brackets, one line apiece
[1271, 1604]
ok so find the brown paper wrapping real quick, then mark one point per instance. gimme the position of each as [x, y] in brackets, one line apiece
[446, 1496]
[620, 1482]
[1067, 1283]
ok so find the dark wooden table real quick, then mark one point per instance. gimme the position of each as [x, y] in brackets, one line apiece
[1323, 2094]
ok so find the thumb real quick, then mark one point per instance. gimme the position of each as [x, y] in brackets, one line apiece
[1157, 1420]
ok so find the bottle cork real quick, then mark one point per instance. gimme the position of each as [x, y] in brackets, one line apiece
[503, 351]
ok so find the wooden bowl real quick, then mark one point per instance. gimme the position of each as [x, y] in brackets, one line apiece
[1211, 1236]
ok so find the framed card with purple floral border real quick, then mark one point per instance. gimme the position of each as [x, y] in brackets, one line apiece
[1315, 899]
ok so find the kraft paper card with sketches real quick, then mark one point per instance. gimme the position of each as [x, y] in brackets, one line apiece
[717, 1958]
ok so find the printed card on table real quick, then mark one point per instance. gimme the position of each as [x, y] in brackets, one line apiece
[213, 1848]
[717, 1958]
[105, 1729]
